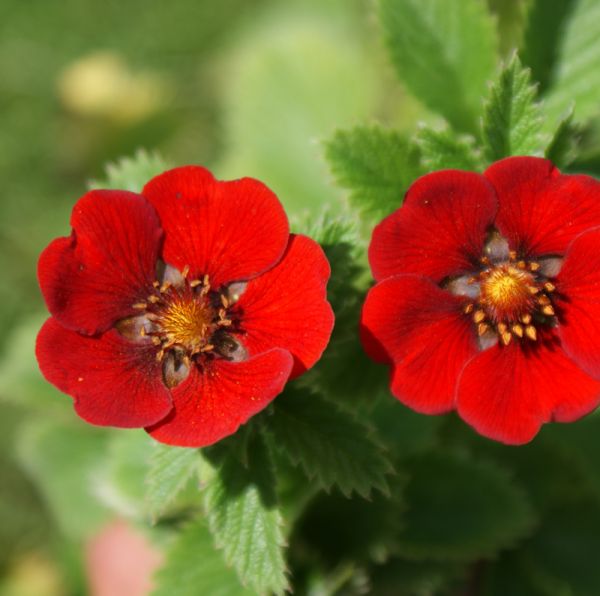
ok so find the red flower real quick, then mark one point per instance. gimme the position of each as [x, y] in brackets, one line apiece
[184, 309]
[488, 297]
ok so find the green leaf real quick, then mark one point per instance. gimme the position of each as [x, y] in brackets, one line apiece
[241, 507]
[443, 149]
[542, 38]
[562, 149]
[577, 77]
[64, 460]
[330, 444]
[194, 566]
[170, 470]
[444, 51]
[461, 510]
[376, 165]
[512, 121]
[131, 173]
[564, 552]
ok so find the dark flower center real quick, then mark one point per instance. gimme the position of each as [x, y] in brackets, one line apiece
[186, 319]
[509, 297]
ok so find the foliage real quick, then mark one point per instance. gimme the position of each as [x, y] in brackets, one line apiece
[336, 488]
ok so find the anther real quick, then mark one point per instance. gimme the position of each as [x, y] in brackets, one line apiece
[156, 283]
[522, 265]
[205, 280]
[517, 330]
[526, 319]
[543, 300]
[194, 283]
[140, 306]
[533, 266]
[549, 287]
[506, 337]
[469, 308]
[484, 260]
[533, 289]
[224, 301]
[548, 310]
[207, 348]
[224, 322]
[153, 298]
[502, 328]
[482, 328]
[185, 271]
[530, 332]
[156, 341]
[166, 285]
[478, 316]
[512, 255]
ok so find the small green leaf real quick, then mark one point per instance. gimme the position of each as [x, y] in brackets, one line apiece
[169, 472]
[241, 507]
[461, 510]
[131, 173]
[564, 552]
[194, 566]
[562, 149]
[376, 165]
[330, 444]
[63, 460]
[512, 121]
[444, 51]
[443, 149]
[577, 78]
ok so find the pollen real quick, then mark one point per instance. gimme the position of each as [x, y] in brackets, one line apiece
[506, 291]
[187, 322]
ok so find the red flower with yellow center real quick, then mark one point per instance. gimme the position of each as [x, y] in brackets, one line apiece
[488, 297]
[184, 309]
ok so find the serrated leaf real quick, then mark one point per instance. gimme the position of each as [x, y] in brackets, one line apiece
[330, 444]
[564, 552]
[576, 76]
[542, 37]
[460, 510]
[512, 120]
[444, 51]
[62, 460]
[376, 165]
[168, 474]
[194, 566]
[443, 149]
[240, 504]
[131, 173]
[562, 149]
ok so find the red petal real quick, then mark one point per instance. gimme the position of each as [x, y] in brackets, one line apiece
[231, 231]
[114, 382]
[440, 229]
[579, 282]
[92, 279]
[540, 210]
[420, 329]
[287, 306]
[507, 392]
[213, 401]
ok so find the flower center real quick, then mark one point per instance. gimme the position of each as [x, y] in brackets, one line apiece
[507, 292]
[185, 320]
[508, 297]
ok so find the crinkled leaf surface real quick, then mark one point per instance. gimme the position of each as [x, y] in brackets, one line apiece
[512, 121]
[444, 149]
[329, 443]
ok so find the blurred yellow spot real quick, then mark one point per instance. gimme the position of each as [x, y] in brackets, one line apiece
[101, 85]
